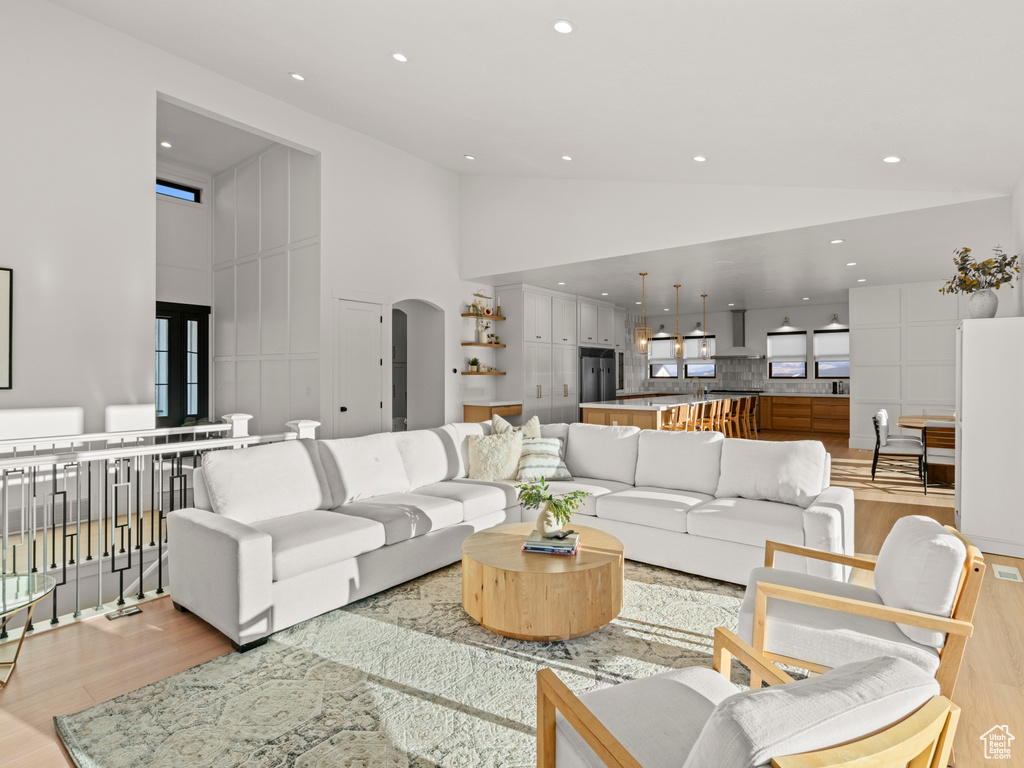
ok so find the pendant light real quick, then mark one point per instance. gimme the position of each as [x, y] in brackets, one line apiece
[678, 337]
[705, 348]
[642, 333]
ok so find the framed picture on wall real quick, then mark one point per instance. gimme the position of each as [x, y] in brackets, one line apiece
[6, 320]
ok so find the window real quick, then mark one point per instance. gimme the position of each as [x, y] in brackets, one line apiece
[182, 379]
[787, 355]
[179, 191]
[700, 371]
[696, 366]
[664, 371]
[832, 354]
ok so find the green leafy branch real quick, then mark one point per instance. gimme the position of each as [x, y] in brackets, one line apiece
[535, 495]
[977, 276]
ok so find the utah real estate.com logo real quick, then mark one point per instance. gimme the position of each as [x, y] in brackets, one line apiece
[997, 742]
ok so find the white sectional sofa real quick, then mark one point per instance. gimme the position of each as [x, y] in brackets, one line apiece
[286, 531]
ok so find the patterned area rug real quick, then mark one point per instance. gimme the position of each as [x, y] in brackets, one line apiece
[404, 679]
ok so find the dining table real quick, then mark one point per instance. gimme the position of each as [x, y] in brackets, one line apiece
[921, 420]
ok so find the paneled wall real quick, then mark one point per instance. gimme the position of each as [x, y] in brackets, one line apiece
[183, 242]
[266, 288]
[902, 354]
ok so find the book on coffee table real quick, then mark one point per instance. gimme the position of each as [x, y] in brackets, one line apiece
[536, 543]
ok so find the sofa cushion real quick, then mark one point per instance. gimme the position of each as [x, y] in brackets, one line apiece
[686, 461]
[531, 428]
[824, 636]
[662, 508]
[266, 481]
[541, 459]
[507, 487]
[561, 431]
[608, 453]
[313, 539]
[495, 457]
[747, 521]
[477, 498]
[656, 718]
[789, 472]
[919, 569]
[424, 455]
[407, 515]
[363, 467]
[460, 432]
[595, 487]
[751, 728]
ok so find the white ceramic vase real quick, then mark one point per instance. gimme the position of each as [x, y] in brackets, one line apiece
[983, 303]
[481, 336]
[547, 524]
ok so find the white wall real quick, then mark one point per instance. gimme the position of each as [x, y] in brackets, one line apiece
[425, 372]
[80, 101]
[511, 224]
[183, 239]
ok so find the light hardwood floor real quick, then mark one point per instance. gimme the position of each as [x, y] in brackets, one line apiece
[75, 667]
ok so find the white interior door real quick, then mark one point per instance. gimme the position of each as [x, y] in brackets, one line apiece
[358, 369]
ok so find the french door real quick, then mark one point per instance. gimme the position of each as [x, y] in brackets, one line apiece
[182, 363]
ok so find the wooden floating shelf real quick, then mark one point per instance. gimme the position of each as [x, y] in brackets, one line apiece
[479, 344]
[483, 317]
[483, 373]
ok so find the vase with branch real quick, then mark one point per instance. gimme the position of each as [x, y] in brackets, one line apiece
[979, 278]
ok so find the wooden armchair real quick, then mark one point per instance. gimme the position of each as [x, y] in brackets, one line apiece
[863, 625]
[916, 737]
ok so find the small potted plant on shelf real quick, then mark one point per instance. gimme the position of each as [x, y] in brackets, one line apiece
[977, 279]
[555, 509]
[474, 362]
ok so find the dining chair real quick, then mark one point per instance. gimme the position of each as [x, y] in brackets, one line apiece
[927, 579]
[939, 448]
[695, 717]
[895, 454]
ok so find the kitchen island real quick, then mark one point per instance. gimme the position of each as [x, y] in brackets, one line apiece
[643, 412]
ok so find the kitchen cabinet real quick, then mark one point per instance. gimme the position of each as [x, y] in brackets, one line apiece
[563, 320]
[806, 414]
[564, 383]
[476, 412]
[620, 329]
[536, 317]
[537, 381]
[606, 325]
[588, 323]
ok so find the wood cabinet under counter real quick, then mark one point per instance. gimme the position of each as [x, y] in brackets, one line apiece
[484, 411]
[810, 413]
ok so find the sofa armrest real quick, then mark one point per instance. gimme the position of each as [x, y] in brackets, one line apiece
[221, 570]
[828, 525]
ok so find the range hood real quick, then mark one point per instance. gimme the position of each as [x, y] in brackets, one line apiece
[739, 350]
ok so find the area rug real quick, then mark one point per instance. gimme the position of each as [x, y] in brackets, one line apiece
[403, 679]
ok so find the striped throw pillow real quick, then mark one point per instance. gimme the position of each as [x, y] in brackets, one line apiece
[541, 457]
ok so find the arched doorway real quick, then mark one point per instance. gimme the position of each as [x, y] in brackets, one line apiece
[418, 328]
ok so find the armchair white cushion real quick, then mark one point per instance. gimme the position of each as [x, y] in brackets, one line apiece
[789, 472]
[919, 569]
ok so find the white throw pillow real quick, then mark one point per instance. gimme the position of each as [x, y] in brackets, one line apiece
[495, 457]
[849, 702]
[364, 467]
[603, 453]
[460, 432]
[919, 569]
[531, 428]
[683, 461]
[541, 459]
[789, 472]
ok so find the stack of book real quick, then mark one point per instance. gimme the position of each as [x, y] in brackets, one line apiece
[570, 545]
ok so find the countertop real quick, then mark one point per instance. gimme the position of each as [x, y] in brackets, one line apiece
[803, 394]
[492, 403]
[660, 403]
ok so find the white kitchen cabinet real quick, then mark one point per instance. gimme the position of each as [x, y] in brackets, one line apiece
[605, 325]
[620, 329]
[564, 383]
[563, 320]
[537, 392]
[536, 317]
[588, 324]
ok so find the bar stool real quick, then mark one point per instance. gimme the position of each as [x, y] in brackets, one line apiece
[670, 419]
[743, 416]
[752, 411]
[732, 416]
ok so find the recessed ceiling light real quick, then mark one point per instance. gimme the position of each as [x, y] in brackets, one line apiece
[399, 57]
[296, 75]
[566, 157]
[892, 159]
[861, 280]
[836, 242]
[851, 263]
[563, 26]
[638, 302]
[165, 144]
[666, 309]
[700, 159]
[604, 294]
[806, 298]
[732, 305]
[469, 157]
[561, 283]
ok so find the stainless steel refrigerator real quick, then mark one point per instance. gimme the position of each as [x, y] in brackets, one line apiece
[597, 374]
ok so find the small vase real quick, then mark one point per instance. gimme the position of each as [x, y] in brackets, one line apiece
[983, 303]
[472, 368]
[481, 336]
[547, 524]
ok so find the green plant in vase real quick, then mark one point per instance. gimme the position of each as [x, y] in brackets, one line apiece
[979, 278]
[555, 509]
[474, 363]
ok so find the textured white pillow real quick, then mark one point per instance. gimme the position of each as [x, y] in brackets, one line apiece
[495, 457]
[541, 458]
[750, 728]
[531, 428]
[918, 569]
[684, 461]
[364, 467]
[788, 472]
[603, 453]
[460, 433]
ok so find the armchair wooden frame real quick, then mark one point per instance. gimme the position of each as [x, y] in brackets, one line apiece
[923, 739]
[958, 627]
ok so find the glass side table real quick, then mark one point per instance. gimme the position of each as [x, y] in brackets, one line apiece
[19, 591]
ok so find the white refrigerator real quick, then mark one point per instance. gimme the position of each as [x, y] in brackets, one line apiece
[990, 434]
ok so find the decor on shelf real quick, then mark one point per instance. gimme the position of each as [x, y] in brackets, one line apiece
[978, 279]
[555, 509]
[678, 337]
[705, 350]
[642, 333]
[474, 363]
[483, 368]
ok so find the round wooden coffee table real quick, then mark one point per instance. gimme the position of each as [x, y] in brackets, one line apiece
[537, 596]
